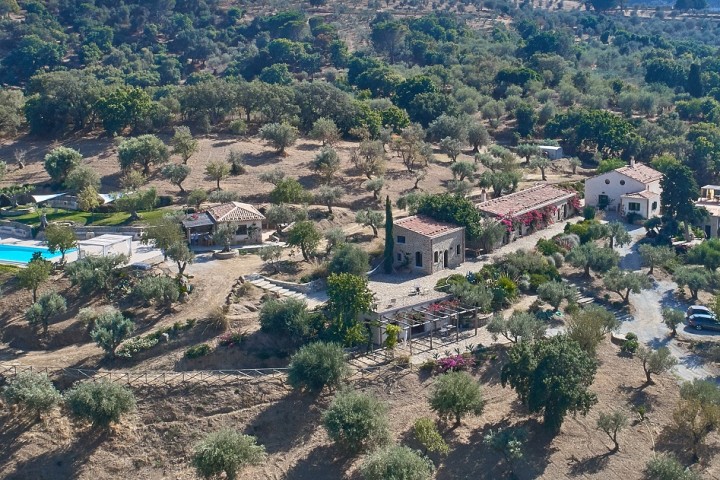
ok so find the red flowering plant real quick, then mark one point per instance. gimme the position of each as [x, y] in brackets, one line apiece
[231, 339]
[454, 363]
[548, 214]
[575, 202]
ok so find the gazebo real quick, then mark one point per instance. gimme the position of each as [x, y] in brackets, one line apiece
[105, 245]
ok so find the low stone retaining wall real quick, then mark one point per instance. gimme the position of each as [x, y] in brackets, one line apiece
[15, 229]
[86, 232]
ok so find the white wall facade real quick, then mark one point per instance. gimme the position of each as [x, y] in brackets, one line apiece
[614, 185]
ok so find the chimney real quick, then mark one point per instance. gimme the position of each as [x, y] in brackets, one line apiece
[632, 162]
[483, 196]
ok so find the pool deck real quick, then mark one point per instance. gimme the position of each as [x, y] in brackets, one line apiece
[140, 253]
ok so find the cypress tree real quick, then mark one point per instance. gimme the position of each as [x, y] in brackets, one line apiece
[694, 83]
[389, 240]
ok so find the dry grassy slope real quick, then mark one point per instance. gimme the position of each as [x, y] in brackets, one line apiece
[156, 441]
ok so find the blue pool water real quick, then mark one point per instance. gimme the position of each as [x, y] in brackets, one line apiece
[17, 254]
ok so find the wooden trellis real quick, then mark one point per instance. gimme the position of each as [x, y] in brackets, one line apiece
[444, 312]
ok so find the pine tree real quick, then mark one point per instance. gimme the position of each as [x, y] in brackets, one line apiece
[389, 240]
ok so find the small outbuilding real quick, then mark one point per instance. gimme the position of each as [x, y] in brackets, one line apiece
[426, 245]
[552, 152]
[246, 219]
[105, 245]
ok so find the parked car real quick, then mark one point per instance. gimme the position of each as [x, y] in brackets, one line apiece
[703, 322]
[699, 310]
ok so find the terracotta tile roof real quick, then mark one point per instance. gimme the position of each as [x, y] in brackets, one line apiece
[517, 203]
[234, 212]
[641, 173]
[646, 194]
[426, 226]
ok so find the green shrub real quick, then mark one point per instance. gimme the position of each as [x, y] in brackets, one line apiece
[537, 279]
[357, 421]
[110, 329]
[238, 127]
[630, 344]
[397, 462]
[33, 392]
[101, 403]
[450, 280]
[47, 306]
[197, 351]
[547, 247]
[666, 467]
[132, 347]
[588, 212]
[318, 365]
[226, 451]
[288, 318]
[456, 394]
[349, 258]
[426, 432]
[162, 290]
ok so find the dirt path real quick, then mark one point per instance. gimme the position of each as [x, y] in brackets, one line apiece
[646, 308]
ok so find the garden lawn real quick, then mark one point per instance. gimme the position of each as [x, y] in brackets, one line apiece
[85, 218]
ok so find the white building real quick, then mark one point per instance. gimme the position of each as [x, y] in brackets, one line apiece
[552, 152]
[631, 189]
[710, 200]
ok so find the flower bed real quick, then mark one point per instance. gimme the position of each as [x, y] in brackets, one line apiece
[231, 339]
[454, 363]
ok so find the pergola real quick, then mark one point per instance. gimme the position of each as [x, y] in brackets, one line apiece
[106, 244]
[448, 311]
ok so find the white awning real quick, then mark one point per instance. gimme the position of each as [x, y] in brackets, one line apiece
[45, 198]
[110, 197]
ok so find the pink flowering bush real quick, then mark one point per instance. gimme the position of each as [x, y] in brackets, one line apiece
[454, 363]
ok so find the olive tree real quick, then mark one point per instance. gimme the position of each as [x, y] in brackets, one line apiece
[32, 392]
[176, 174]
[325, 130]
[102, 403]
[142, 151]
[624, 282]
[456, 394]
[698, 412]
[612, 424]
[357, 421]
[555, 292]
[60, 161]
[520, 326]
[217, 170]
[318, 365]
[672, 318]
[226, 451]
[326, 164]
[653, 256]
[183, 143]
[306, 236]
[370, 218]
[397, 462]
[279, 136]
[110, 329]
[589, 326]
[35, 273]
[60, 238]
[655, 361]
[47, 306]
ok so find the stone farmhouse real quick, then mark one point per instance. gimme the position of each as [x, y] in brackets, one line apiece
[531, 209]
[626, 190]
[426, 245]
[247, 220]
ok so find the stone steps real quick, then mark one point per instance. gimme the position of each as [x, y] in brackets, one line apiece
[282, 291]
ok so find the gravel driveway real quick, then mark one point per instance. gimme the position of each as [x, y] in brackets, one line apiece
[646, 321]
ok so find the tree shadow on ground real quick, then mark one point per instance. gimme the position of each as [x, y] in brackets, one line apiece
[323, 463]
[287, 423]
[63, 462]
[262, 158]
[591, 465]
[463, 461]
[639, 396]
[13, 426]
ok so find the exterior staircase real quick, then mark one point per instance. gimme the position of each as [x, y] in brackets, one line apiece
[312, 299]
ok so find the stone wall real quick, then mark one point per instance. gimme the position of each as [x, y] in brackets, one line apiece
[15, 229]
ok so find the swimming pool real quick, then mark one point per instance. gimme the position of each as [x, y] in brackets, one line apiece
[20, 254]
